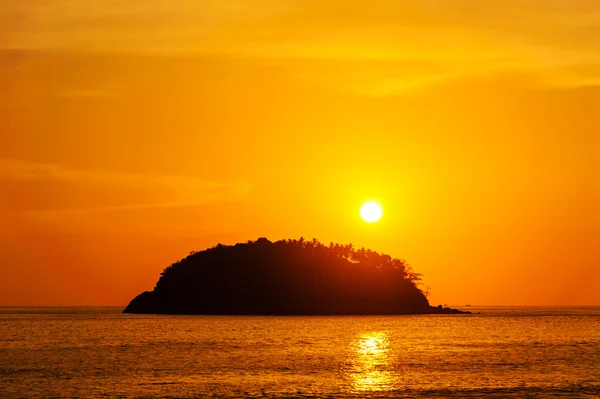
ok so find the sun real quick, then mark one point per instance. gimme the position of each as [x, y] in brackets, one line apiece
[371, 212]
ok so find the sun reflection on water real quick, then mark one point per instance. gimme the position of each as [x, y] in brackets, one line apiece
[371, 363]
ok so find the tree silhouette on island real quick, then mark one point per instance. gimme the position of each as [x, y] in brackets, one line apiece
[287, 277]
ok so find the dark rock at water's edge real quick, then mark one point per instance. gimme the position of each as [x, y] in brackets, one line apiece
[288, 277]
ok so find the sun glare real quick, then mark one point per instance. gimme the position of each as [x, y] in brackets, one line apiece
[371, 212]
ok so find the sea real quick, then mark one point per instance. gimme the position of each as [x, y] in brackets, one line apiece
[499, 352]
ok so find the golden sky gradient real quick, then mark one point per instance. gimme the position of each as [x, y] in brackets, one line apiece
[132, 132]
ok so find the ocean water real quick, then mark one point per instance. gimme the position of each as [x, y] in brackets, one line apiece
[499, 353]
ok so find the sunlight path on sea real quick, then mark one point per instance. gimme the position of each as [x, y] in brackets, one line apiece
[371, 363]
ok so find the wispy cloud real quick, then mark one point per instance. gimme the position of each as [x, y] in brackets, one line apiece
[549, 39]
[45, 187]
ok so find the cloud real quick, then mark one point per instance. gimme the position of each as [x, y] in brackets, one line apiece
[45, 187]
[459, 38]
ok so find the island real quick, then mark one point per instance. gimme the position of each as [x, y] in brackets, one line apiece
[287, 277]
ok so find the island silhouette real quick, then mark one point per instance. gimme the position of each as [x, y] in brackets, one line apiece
[287, 277]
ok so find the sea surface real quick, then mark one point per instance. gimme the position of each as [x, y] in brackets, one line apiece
[499, 353]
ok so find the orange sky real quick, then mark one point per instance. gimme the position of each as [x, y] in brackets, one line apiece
[134, 132]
